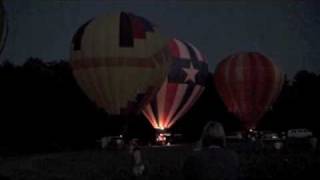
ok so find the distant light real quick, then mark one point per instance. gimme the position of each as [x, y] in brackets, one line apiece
[251, 130]
[121, 135]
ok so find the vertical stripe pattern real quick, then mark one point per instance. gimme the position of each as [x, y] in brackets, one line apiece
[178, 93]
[248, 83]
[120, 61]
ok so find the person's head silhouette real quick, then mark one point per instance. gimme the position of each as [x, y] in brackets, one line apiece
[213, 135]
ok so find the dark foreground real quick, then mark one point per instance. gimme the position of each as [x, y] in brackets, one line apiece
[162, 163]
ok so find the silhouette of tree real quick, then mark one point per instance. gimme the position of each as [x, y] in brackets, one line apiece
[43, 109]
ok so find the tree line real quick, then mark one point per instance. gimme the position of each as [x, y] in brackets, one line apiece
[43, 109]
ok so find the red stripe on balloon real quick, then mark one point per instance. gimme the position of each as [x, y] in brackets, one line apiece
[174, 50]
[138, 28]
[181, 90]
[231, 76]
[257, 82]
[169, 100]
[187, 105]
[147, 111]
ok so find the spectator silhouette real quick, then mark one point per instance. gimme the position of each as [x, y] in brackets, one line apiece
[138, 167]
[211, 160]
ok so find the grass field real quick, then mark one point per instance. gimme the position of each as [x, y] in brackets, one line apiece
[162, 163]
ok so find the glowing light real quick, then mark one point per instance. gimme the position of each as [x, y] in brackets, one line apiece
[161, 124]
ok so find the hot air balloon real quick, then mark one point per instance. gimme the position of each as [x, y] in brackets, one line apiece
[119, 60]
[3, 27]
[248, 83]
[182, 87]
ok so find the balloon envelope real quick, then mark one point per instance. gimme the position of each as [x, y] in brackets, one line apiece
[248, 83]
[119, 60]
[182, 87]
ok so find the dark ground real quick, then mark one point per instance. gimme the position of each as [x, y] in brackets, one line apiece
[161, 163]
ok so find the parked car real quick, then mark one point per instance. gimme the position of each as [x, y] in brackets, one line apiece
[234, 136]
[111, 142]
[270, 136]
[299, 133]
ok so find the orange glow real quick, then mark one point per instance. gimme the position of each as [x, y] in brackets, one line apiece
[160, 125]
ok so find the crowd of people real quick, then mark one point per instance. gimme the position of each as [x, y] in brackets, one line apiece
[210, 159]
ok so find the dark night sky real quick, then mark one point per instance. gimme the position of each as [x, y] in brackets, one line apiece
[286, 31]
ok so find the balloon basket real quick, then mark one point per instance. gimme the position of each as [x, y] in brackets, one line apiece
[162, 137]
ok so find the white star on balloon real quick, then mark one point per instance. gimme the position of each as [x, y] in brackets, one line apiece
[191, 73]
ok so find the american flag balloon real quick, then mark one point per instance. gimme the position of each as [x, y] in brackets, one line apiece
[181, 89]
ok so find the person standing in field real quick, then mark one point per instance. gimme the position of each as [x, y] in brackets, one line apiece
[138, 167]
[211, 160]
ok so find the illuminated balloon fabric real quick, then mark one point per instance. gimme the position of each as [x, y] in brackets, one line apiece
[181, 89]
[3, 27]
[248, 83]
[119, 60]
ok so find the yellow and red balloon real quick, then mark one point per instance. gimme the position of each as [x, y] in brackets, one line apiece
[119, 60]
